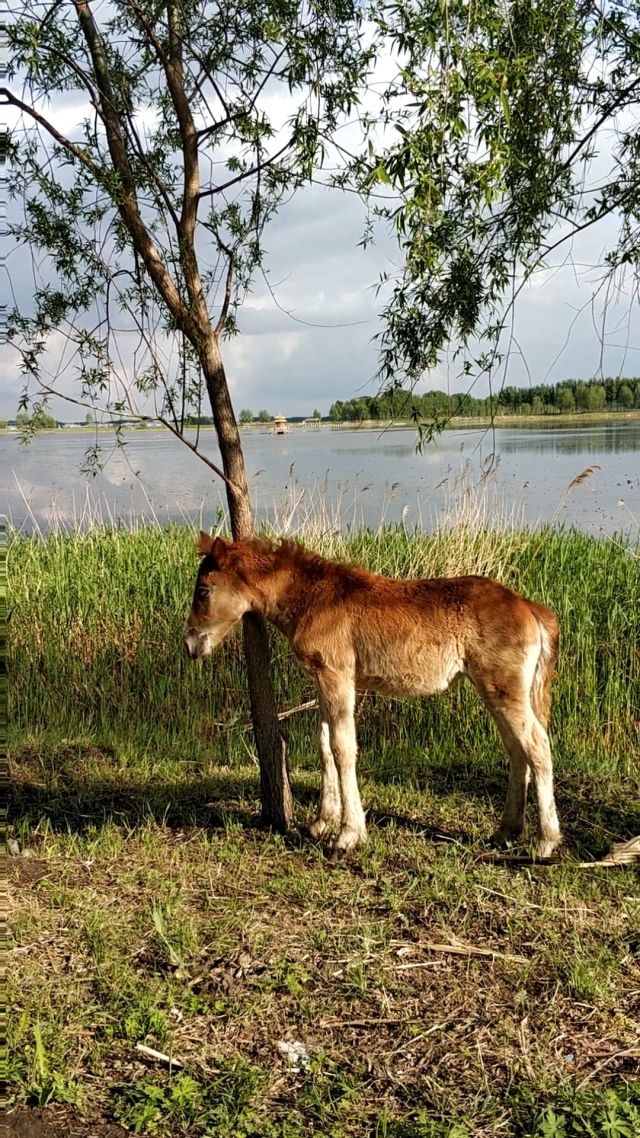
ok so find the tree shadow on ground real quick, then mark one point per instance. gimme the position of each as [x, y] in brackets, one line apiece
[86, 801]
[84, 790]
[81, 790]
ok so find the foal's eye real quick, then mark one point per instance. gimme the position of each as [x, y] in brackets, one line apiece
[202, 593]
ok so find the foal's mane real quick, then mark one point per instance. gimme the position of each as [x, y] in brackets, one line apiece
[256, 557]
[288, 554]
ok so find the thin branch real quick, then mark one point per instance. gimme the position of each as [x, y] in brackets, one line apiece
[143, 419]
[246, 173]
[183, 439]
[7, 98]
[615, 105]
[228, 289]
[298, 319]
[160, 187]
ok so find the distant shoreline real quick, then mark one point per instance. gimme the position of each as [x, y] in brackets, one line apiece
[569, 419]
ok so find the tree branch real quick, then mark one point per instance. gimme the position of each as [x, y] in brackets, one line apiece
[245, 173]
[174, 72]
[183, 439]
[50, 390]
[9, 99]
[615, 105]
[228, 286]
[126, 201]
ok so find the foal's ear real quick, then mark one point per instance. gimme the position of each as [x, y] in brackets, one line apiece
[215, 547]
[204, 544]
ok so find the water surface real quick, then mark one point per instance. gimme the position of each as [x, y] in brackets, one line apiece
[350, 477]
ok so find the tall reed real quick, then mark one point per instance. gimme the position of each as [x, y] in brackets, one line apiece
[95, 643]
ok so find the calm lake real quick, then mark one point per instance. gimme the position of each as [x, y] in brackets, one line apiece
[340, 477]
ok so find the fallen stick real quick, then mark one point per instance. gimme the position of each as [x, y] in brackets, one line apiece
[159, 1056]
[517, 859]
[605, 1062]
[473, 950]
[415, 964]
[308, 706]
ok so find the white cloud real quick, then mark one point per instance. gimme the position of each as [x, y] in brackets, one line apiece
[320, 276]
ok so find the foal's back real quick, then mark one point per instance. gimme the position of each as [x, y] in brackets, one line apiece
[415, 637]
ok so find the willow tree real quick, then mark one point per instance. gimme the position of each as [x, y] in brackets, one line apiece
[511, 128]
[194, 119]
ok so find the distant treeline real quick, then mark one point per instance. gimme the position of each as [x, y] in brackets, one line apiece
[541, 399]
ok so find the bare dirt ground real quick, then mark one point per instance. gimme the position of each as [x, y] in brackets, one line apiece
[35, 1122]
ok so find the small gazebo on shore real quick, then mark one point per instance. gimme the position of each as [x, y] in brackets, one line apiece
[280, 425]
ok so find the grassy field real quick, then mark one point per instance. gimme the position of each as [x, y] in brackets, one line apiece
[435, 993]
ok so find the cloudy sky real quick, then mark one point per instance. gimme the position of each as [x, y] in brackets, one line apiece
[315, 342]
[326, 279]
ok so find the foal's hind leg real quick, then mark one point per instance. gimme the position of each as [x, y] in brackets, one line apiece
[339, 695]
[527, 742]
[329, 810]
[505, 685]
[512, 821]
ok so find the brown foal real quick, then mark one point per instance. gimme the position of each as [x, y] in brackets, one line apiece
[357, 631]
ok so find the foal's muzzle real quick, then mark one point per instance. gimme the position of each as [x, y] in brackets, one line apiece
[196, 644]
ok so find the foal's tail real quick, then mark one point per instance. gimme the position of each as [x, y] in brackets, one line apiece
[545, 668]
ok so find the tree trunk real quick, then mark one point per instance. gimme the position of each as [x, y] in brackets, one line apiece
[275, 788]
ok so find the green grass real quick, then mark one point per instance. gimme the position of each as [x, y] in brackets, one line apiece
[96, 654]
[153, 910]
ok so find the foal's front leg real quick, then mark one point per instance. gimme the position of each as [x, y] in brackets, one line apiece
[339, 698]
[329, 812]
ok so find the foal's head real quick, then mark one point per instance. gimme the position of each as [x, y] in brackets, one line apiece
[220, 599]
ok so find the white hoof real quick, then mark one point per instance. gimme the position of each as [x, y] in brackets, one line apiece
[321, 826]
[349, 839]
[546, 847]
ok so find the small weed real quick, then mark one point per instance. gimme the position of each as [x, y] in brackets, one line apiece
[612, 1113]
[589, 973]
[175, 938]
[45, 1084]
[98, 937]
[288, 976]
[356, 980]
[180, 1105]
[420, 1127]
[328, 1094]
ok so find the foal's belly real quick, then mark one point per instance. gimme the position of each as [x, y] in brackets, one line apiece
[404, 679]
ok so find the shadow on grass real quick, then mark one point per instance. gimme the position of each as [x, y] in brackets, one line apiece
[82, 788]
[81, 801]
[594, 811]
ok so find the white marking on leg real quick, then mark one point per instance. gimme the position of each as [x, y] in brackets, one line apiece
[342, 734]
[528, 743]
[329, 812]
[539, 756]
